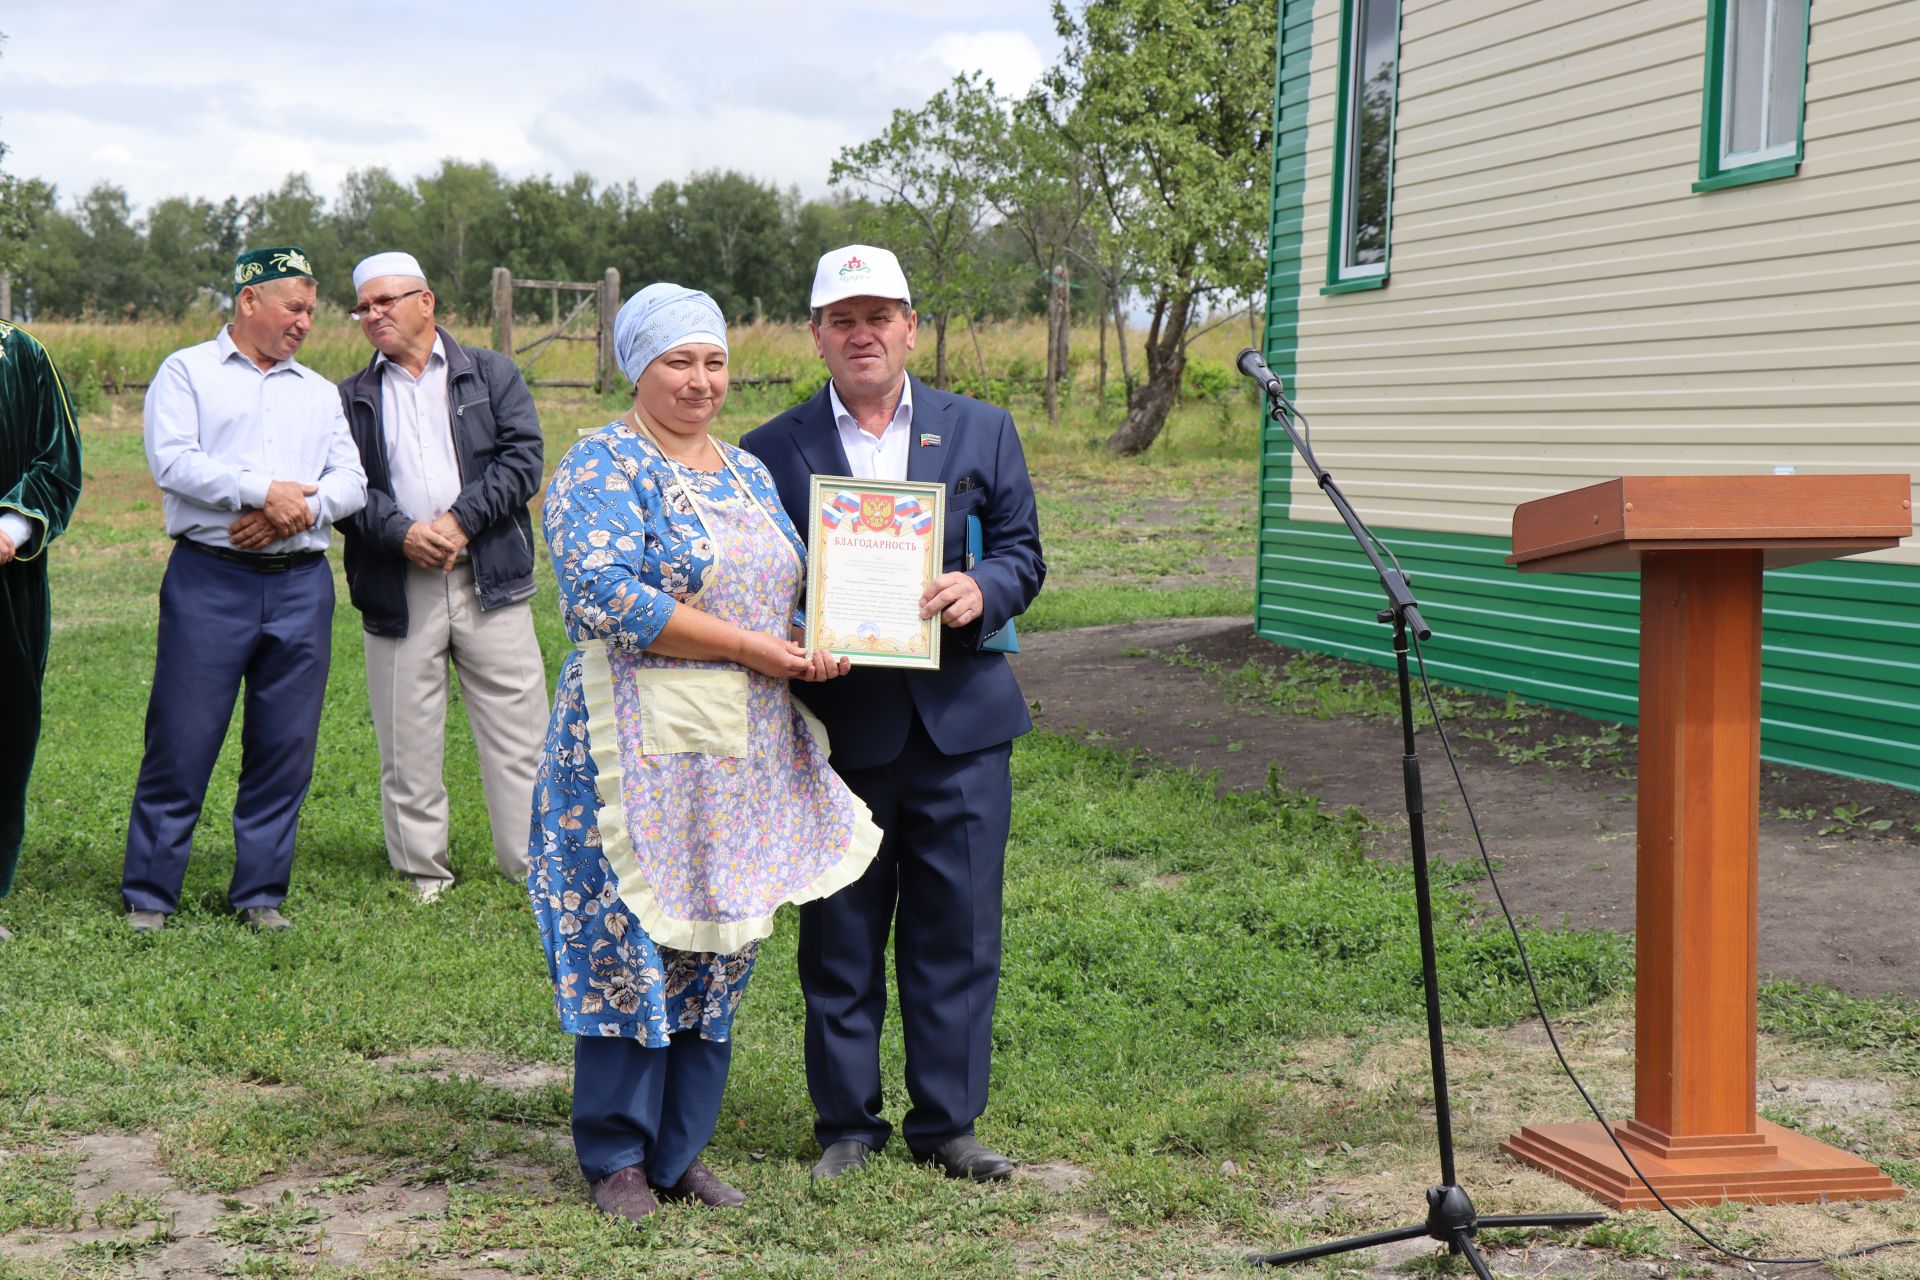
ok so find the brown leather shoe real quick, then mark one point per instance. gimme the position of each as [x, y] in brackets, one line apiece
[702, 1185]
[625, 1194]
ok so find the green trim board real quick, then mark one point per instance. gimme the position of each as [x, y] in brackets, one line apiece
[1840, 683]
[1342, 278]
[1715, 173]
[1291, 76]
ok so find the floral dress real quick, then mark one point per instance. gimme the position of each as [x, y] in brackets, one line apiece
[678, 802]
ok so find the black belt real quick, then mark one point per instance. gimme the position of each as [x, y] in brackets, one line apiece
[259, 562]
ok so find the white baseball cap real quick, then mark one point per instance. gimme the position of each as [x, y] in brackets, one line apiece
[858, 271]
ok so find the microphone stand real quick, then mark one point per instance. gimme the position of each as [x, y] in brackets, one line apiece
[1450, 1218]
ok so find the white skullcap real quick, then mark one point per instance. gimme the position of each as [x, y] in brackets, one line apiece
[858, 271]
[386, 264]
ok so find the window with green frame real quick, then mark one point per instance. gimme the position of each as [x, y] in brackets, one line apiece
[1755, 104]
[1363, 145]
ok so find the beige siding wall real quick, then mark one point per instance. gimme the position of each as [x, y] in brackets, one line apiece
[1563, 308]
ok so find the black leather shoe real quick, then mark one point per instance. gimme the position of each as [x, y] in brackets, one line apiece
[967, 1157]
[843, 1156]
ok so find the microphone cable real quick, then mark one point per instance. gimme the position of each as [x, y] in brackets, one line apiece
[1539, 1007]
[1324, 478]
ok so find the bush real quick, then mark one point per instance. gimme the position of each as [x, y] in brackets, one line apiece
[1207, 380]
[805, 386]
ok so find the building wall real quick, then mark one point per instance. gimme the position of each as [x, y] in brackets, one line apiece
[1563, 308]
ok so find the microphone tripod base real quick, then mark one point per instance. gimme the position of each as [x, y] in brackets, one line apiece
[1450, 1220]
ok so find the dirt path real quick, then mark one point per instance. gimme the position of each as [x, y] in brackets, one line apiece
[1833, 909]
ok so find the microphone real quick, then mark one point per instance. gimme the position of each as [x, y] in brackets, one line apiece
[1254, 367]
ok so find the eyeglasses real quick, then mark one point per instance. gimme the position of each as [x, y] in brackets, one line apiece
[371, 305]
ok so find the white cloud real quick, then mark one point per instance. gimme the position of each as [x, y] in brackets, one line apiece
[1010, 58]
[148, 94]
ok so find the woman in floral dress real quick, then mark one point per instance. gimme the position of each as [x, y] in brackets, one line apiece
[683, 795]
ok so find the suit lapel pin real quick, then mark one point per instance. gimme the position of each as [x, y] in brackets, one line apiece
[928, 440]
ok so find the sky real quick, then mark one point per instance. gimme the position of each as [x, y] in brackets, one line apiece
[215, 99]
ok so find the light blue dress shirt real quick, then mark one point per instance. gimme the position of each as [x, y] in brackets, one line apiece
[219, 430]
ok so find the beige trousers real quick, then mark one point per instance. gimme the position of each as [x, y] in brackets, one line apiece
[504, 684]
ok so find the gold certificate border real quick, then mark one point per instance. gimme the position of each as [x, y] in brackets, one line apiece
[931, 493]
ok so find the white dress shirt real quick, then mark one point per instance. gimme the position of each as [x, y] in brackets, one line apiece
[418, 426]
[19, 530]
[881, 457]
[219, 430]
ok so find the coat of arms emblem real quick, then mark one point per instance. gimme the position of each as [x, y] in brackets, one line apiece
[876, 511]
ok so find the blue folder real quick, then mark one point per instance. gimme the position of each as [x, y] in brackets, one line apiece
[1006, 639]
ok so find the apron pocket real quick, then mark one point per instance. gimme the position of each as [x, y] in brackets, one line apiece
[692, 710]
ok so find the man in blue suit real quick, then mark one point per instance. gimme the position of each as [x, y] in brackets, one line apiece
[927, 750]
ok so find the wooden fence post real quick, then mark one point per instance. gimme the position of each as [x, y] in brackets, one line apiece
[609, 308]
[503, 311]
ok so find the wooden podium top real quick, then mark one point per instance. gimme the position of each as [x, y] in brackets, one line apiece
[1606, 527]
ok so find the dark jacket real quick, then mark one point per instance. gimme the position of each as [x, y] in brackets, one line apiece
[497, 444]
[972, 701]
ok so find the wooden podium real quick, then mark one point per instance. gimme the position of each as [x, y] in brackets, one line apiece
[1700, 544]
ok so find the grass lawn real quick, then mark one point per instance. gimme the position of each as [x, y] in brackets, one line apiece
[1207, 1041]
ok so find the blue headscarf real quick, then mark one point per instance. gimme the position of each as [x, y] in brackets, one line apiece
[659, 318]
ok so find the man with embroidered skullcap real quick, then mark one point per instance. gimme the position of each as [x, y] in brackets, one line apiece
[255, 465]
[39, 484]
[440, 565]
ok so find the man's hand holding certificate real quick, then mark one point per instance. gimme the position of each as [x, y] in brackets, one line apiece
[876, 595]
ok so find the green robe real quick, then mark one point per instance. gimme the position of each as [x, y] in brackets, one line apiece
[40, 479]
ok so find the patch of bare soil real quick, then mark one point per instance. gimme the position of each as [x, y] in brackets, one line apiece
[445, 1064]
[129, 1205]
[1834, 909]
[1055, 1175]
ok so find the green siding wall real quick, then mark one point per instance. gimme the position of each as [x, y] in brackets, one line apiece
[1841, 683]
[1840, 687]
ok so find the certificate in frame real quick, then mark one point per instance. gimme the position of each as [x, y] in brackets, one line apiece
[872, 548]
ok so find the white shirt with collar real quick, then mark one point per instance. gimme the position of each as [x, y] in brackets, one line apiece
[881, 457]
[219, 430]
[418, 426]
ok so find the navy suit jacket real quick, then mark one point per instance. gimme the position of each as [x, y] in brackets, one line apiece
[972, 701]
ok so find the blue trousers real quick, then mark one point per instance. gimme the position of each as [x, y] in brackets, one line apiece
[222, 626]
[939, 871]
[638, 1106]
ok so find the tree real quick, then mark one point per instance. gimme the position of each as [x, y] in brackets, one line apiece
[375, 213]
[116, 254]
[462, 207]
[728, 236]
[23, 201]
[186, 255]
[930, 168]
[1042, 193]
[1172, 109]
